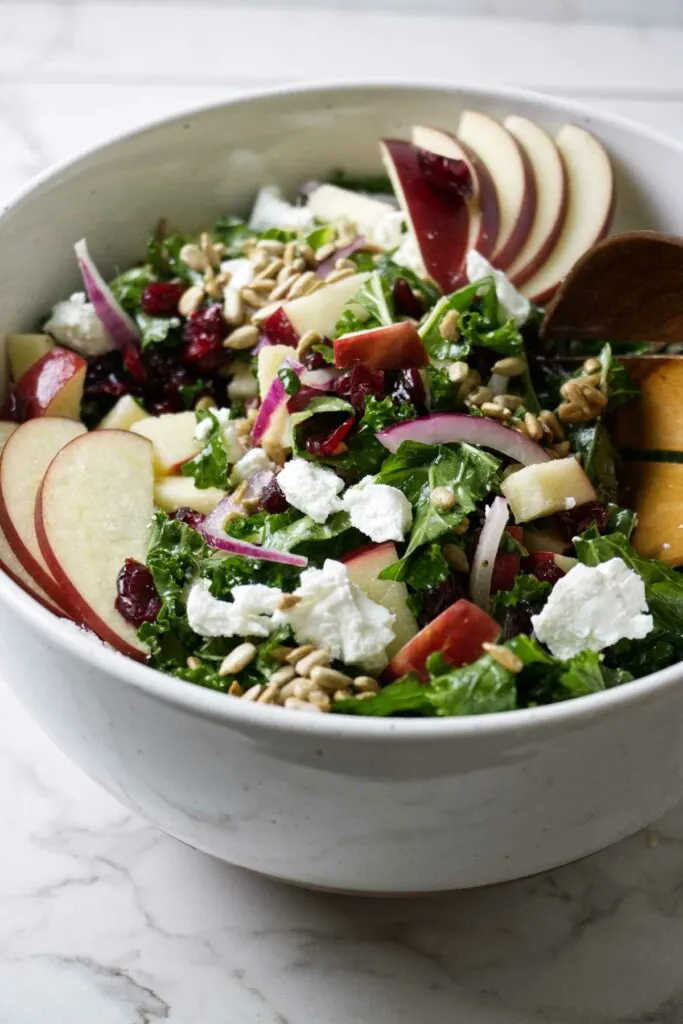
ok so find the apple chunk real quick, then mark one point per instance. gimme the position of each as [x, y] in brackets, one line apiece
[53, 386]
[589, 211]
[364, 567]
[172, 437]
[331, 203]
[320, 310]
[458, 633]
[93, 512]
[512, 176]
[439, 220]
[395, 347]
[174, 492]
[25, 458]
[546, 488]
[551, 197]
[123, 415]
[23, 350]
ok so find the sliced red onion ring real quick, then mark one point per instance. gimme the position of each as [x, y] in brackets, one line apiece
[447, 428]
[215, 521]
[327, 266]
[320, 379]
[241, 547]
[110, 313]
[275, 398]
[497, 515]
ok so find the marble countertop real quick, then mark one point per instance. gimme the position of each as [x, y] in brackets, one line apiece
[105, 921]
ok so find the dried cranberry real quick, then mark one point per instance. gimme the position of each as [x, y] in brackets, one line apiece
[407, 386]
[161, 298]
[314, 360]
[137, 600]
[272, 499]
[203, 338]
[279, 330]
[438, 599]
[547, 571]
[189, 516]
[576, 520]
[518, 621]
[359, 382]
[445, 173]
[133, 364]
[328, 442]
[406, 302]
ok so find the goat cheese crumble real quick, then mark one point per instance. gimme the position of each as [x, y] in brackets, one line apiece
[334, 613]
[388, 231]
[379, 511]
[593, 607]
[248, 614]
[75, 323]
[408, 255]
[241, 271]
[255, 461]
[513, 302]
[272, 211]
[313, 489]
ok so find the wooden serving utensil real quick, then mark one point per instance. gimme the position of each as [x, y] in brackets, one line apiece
[628, 287]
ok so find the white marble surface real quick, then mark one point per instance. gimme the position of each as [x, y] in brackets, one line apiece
[103, 920]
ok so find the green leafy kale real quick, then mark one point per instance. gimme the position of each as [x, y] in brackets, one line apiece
[424, 288]
[231, 232]
[443, 393]
[615, 381]
[372, 306]
[127, 288]
[598, 455]
[163, 256]
[292, 531]
[526, 590]
[210, 467]
[158, 330]
[290, 380]
[424, 570]
[321, 236]
[373, 184]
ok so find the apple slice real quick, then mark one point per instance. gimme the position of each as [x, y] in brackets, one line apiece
[395, 347]
[330, 203]
[25, 458]
[172, 437]
[53, 386]
[320, 310]
[268, 363]
[173, 492]
[458, 633]
[546, 488]
[438, 220]
[92, 512]
[23, 350]
[550, 179]
[512, 176]
[123, 415]
[364, 567]
[483, 204]
[590, 181]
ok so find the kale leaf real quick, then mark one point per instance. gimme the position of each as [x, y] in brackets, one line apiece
[372, 306]
[127, 288]
[210, 467]
[373, 184]
[599, 457]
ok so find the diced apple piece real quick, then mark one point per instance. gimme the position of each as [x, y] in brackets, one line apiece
[330, 203]
[512, 176]
[173, 492]
[458, 633]
[23, 350]
[565, 563]
[546, 488]
[320, 310]
[654, 420]
[396, 347]
[172, 436]
[364, 567]
[53, 386]
[439, 220]
[25, 458]
[655, 491]
[482, 205]
[590, 181]
[550, 179]
[123, 415]
[93, 512]
[269, 362]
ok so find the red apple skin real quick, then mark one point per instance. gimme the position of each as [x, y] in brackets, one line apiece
[396, 347]
[82, 612]
[440, 220]
[520, 232]
[458, 633]
[507, 563]
[41, 389]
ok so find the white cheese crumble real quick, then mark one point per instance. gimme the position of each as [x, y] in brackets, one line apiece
[377, 510]
[272, 211]
[312, 489]
[408, 255]
[248, 614]
[388, 231]
[255, 461]
[513, 302]
[334, 613]
[206, 425]
[241, 271]
[592, 607]
[75, 323]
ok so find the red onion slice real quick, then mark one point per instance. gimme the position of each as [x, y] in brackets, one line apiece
[110, 313]
[497, 515]
[215, 521]
[241, 547]
[275, 398]
[447, 428]
[327, 266]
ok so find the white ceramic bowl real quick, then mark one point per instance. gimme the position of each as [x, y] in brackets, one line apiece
[368, 805]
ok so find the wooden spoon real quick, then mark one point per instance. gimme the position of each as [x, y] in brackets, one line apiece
[628, 287]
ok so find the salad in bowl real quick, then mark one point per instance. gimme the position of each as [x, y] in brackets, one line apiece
[322, 456]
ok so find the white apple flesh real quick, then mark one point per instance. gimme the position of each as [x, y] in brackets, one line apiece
[364, 567]
[482, 205]
[52, 386]
[512, 176]
[590, 207]
[25, 458]
[320, 310]
[23, 350]
[123, 415]
[172, 437]
[551, 197]
[93, 512]
[545, 488]
[329, 203]
[174, 492]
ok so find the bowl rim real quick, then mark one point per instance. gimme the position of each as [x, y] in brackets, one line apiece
[213, 705]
